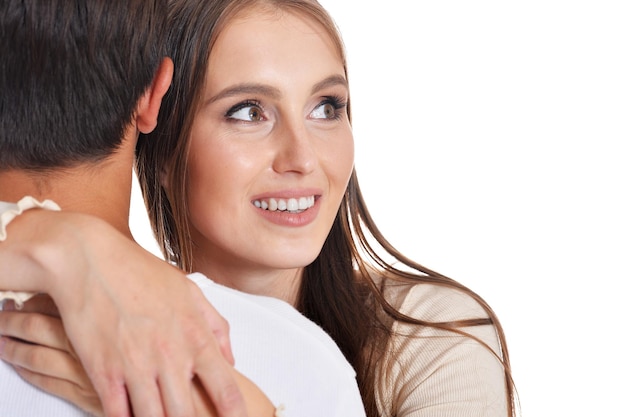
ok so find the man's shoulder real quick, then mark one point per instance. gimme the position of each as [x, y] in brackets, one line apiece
[288, 356]
[270, 314]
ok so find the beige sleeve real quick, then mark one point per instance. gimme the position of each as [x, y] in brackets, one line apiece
[435, 373]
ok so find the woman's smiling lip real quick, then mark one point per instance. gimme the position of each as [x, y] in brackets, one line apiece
[292, 208]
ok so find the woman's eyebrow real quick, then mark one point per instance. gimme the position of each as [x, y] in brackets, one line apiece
[272, 92]
[246, 88]
[331, 81]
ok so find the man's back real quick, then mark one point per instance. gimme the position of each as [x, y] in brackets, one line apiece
[292, 360]
[20, 399]
[73, 97]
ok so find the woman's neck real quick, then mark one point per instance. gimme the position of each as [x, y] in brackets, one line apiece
[278, 283]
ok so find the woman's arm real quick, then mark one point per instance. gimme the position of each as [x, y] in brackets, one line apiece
[428, 371]
[35, 343]
[138, 325]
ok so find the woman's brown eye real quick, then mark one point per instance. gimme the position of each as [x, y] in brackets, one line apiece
[254, 114]
[329, 110]
[324, 111]
[247, 112]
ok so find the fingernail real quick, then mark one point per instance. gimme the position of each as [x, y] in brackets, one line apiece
[9, 305]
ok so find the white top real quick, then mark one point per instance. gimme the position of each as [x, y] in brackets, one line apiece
[20, 399]
[290, 358]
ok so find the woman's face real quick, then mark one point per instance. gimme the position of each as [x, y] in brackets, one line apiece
[271, 148]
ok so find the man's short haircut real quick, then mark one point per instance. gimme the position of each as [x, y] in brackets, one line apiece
[71, 74]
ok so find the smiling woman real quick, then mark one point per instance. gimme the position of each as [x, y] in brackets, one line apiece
[260, 135]
[263, 134]
[512, 120]
[253, 139]
[489, 142]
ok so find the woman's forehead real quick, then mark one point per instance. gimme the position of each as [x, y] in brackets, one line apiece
[251, 45]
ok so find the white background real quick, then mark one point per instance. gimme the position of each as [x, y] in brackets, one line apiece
[490, 143]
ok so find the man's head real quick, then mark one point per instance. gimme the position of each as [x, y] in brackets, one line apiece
[72, 77]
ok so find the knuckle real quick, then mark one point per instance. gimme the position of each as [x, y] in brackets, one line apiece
[31, 323]
[33, 357]
[109, 384]
[23, 354]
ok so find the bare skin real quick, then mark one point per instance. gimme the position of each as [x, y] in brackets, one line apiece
[147, 367]
[302, 146]
[66, 378]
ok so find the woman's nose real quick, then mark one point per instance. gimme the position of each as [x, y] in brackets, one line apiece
[295, 150]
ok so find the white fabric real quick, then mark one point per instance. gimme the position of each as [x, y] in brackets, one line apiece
[20, 399]
[289, 357]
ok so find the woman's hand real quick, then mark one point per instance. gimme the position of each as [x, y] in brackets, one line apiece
[34, 342]
[140, 328]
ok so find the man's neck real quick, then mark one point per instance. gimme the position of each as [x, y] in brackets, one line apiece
[101, 189]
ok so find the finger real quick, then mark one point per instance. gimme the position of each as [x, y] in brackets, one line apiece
[45, 361]
[218, 324]
[41, 303]
[219, 381]
[34, 328]
[176, 394]
[64, 389]
[145, 397]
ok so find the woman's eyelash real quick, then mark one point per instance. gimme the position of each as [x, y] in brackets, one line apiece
[242, 105]
[337, 102]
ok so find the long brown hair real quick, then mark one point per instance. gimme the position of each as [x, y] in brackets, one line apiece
[341, 290]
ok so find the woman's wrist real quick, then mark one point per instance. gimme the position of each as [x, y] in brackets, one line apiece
[46, 251]
[8, 213]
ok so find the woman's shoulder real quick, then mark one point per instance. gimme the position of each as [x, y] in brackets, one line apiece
[430, 369]
[435, 303]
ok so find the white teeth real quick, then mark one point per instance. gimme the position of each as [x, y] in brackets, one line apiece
[291, 204]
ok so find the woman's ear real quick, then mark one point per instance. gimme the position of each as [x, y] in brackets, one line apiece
[150, 103]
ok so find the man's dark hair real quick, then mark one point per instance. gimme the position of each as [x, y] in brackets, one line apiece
[71, 74]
